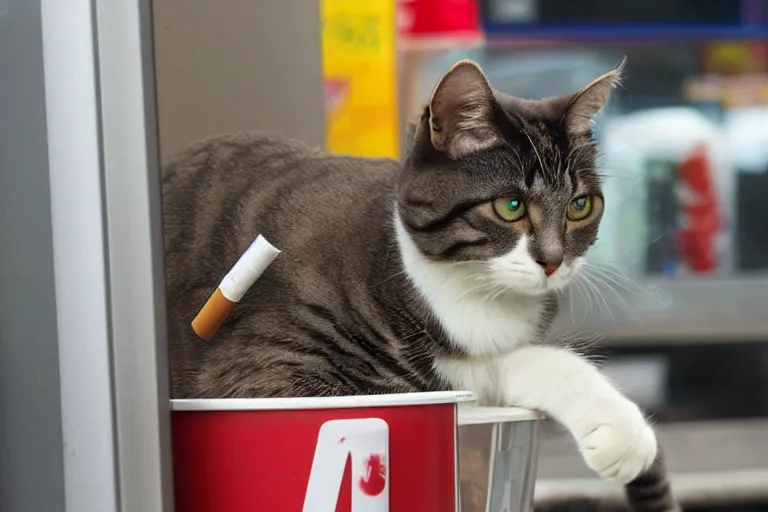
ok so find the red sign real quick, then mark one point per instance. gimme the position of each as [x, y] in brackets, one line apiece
[437, 17]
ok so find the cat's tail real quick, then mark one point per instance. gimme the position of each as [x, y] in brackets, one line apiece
[651, 491]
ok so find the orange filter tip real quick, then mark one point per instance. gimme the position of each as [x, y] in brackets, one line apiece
[213, 314]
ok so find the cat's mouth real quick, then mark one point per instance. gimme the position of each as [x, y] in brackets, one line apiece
[525, 277]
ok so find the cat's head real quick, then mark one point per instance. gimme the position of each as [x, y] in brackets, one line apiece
[507, 185]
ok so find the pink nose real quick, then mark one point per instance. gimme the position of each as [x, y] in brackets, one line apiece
[551, 269]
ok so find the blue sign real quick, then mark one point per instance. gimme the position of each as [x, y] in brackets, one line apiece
[627, 19]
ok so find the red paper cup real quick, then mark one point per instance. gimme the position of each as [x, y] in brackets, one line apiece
[346, 454]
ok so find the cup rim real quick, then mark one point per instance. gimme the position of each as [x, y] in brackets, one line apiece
[471, 414]
[334, 402]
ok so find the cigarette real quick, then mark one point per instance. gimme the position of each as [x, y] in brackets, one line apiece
[233, 287]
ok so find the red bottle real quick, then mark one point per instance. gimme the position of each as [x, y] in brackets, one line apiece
[701, 213]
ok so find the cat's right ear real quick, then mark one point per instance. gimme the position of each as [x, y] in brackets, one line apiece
[461, 111]
[587, 102]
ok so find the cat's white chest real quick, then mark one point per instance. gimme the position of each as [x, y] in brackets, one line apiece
[484, 326]
[485, 329]
[474, 312]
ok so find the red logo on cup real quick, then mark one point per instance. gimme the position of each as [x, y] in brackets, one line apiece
[375, 478]
[365, 444]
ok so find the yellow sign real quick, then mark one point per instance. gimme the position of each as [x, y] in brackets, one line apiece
[359, 68]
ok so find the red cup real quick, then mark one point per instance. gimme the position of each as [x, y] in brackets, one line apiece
[346, 454]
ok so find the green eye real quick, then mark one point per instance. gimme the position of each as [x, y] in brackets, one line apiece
[509, 209]
[580, 208]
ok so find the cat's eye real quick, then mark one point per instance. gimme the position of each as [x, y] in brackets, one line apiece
[509, 209]
[580, 208]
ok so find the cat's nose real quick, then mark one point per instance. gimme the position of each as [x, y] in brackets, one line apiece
[551, 266]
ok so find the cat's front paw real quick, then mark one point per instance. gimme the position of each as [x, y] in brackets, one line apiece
[618, 444]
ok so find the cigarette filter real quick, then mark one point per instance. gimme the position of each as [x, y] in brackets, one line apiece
[233, 287]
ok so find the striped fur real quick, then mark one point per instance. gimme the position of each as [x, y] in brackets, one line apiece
[651, 491]
[343, 310]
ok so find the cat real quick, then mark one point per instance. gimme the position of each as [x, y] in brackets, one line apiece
[440, 272]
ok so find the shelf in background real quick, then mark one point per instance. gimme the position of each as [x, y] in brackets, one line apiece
[710, 462]
[685, 311]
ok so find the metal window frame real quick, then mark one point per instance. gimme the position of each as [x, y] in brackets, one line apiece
[135, 246]
[108, 254]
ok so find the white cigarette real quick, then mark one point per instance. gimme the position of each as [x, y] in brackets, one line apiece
[233, 287]
[248, 269]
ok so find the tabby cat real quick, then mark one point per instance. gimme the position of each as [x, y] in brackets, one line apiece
[440, 272]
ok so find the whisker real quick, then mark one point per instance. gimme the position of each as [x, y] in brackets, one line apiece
[611, 279]
[614, 177]
[570, 299]
[519, 160]
[599, 296]
[620, 279]
[621, 301]
[536, 151]
[481, 287]
[495, 295]
[389, 278]
[587, 299]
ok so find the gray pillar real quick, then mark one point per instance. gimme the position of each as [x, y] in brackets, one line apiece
[31, 456]
[84, 416]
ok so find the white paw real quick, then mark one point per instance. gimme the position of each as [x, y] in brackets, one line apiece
[618, 444]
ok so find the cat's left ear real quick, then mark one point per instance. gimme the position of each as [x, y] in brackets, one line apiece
[587, 102]
[461, 111]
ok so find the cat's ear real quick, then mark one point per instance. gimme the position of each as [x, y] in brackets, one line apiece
[461, 111]
[587, 102]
